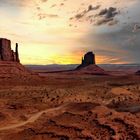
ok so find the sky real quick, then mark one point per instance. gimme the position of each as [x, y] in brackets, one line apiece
[61, 31]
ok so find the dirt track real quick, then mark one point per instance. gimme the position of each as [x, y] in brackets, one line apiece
[34, 117]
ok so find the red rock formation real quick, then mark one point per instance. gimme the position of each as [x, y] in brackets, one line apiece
[10, 68]
[89, 59]
[6, 53]
[91, 70]
[89, 66]
[16, 53]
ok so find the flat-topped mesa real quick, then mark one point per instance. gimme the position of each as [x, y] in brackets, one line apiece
[88, 59]
[6, 53]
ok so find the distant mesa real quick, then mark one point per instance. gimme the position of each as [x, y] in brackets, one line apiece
[88, 65]
[6, 53]
[88, 59]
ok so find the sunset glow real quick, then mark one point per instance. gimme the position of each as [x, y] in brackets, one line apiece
[61, 31]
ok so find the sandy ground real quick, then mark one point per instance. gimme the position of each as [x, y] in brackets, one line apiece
[64, 106]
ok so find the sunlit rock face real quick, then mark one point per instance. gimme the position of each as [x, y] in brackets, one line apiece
[88, 59]
[6, 53]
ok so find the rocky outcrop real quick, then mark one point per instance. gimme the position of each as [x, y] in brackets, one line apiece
[9, 69]
[6, 53]
[10, 66]
[88, 59]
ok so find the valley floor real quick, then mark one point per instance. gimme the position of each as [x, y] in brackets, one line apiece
[75, 107]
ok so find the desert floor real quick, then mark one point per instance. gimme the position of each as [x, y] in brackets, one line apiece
[76, 107]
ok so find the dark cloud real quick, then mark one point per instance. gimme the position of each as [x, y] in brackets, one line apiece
[83, 13]
[102, 12]
[90, 7]
[121, 45]
[136, 28]
[106, 16]
[109, 13]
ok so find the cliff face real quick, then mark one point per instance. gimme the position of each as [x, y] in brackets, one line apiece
[88, 59]
[10, 67]
[6, 53]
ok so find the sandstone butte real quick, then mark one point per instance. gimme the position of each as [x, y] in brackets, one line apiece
[10, 66]
[88, 65]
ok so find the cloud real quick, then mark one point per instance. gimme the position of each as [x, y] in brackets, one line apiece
[122, 44]
[109, 13]
[106, 16]
[83, 13]
[54, 5]
[44, 15]
[90, 8]
[20, 3]
[136, 28]
[44, 0]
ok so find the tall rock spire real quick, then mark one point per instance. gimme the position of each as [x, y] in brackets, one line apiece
[6, 53]
[16, 52]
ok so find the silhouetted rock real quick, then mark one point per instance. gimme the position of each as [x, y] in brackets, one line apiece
[89, 66]
[16, 53]
[88, 59]
[6, 53]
